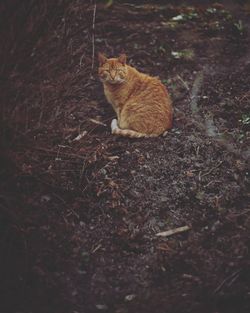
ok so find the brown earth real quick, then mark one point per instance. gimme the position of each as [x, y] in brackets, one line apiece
[79, 218]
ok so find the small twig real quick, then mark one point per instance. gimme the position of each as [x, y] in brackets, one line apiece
[80, 136]
[173, 231]
[240, 214]
[82, 59]
[97, 122]
[212, 169]
[72, 211]
[96, 248]
[94, 128]
[93, 38]
[57, 154]
[184, 83]
[63, 154]
[228, 281]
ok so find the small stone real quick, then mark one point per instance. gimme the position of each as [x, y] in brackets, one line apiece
[130, 297]
[215, 226]
[74, 293]
[45, 198]
[164, 198]
[134, 194]
[103, 171]
[101, 306]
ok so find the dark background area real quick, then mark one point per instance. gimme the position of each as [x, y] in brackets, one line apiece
[79, 217]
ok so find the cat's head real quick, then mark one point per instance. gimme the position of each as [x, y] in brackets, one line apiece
[112, 71]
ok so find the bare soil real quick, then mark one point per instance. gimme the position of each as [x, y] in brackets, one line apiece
[79, 218]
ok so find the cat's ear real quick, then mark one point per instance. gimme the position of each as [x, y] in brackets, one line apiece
[101, 58]
[122, 58]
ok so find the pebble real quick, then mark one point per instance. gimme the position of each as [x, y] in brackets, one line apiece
[130, 297]
[215, 226]
[101, 306]
[45, 198]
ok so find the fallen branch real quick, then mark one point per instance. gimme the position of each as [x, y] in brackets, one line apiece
[173, 231]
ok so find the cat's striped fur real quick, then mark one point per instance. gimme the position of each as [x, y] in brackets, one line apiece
[141, 102]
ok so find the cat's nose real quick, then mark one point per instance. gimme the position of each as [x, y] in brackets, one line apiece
[112, 75]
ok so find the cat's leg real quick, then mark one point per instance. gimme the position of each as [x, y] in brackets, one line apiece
[120, 128]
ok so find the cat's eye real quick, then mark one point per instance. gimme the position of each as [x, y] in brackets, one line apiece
[104, 74]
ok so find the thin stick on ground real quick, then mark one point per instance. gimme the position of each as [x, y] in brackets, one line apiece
[173, 231]
[93, 38]
[184, 84]
[229, 280]
[212, 169]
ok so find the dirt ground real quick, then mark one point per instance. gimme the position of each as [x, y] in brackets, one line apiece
[79, 217]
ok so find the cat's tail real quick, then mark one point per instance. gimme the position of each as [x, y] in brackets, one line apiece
[131, 133]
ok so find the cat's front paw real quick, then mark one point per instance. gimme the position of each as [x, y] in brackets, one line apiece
[114, 124]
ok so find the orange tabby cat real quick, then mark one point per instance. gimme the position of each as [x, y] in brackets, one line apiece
[141, 102]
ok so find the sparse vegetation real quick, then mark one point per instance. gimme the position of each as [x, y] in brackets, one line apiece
[186, 54]
[245, 119]
[239, 26]
[185, 17]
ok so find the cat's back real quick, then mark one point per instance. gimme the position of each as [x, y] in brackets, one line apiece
[149, 88]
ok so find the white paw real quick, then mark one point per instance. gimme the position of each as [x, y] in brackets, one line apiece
[114, 124]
